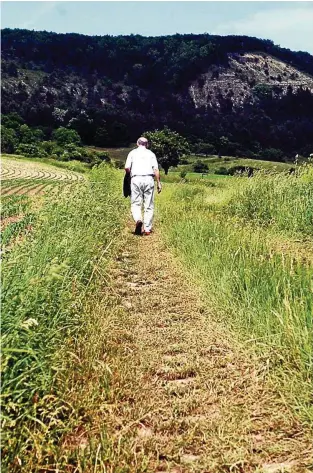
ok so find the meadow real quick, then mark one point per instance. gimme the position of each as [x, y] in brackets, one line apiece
[244, 243]
[248, 245]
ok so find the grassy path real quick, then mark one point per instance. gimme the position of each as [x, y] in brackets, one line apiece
[184, 397]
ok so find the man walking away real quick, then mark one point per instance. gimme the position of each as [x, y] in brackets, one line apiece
[143, 167]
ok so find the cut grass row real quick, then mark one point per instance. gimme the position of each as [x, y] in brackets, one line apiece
[46, 281]
[266, 297]
[72, 166]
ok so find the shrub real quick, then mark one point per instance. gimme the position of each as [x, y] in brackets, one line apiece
[31, 150]
[200, 166]
[221, 170]
[247, 170]
[9, 140]
[272, 154]
[103, 156]
[64, 136]
[119, 164]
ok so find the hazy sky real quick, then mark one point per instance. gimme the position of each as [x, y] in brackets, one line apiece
[288, 24]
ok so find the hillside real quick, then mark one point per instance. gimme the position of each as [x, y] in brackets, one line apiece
[245, 76]
[243, 96]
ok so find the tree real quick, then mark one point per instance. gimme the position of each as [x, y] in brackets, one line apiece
[27, 135]
[223, 146]
[9, 140]
[168, 146]
[64, 136]
[272, 154]
[205, 148]
[12, 120]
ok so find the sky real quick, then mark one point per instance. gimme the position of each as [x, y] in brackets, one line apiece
[289, 24]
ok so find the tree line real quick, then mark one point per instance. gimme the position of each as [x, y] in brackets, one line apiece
[59, 80]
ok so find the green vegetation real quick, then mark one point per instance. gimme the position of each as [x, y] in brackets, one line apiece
[230, 165]
[16, 229]
[64, 146]
[168, 146]
[282, 202]
[69, 397]
[265, 294]
[46, 281]
[13, 205]
[128, 84]
[75, 166]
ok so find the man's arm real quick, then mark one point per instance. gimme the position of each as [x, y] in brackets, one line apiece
[157, 176]
[156, 171]
[128, 164]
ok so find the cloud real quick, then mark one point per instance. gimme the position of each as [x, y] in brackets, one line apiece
[44, 8]
[290, 27]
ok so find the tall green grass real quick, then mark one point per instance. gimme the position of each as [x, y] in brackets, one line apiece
[282, 201]
[45, 281]
[265, 297]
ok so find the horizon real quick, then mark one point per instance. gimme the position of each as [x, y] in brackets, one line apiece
[287, 24]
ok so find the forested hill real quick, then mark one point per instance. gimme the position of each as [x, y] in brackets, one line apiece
[235, 94]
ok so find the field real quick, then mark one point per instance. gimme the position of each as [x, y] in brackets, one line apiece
[214, 163]
[186, 351]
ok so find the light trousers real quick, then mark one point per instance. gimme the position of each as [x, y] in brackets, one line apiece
[142, 192]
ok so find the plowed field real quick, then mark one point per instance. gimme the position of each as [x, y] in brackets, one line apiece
[22, 183]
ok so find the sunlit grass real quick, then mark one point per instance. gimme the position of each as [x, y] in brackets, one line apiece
[264, 296]
[45, 281]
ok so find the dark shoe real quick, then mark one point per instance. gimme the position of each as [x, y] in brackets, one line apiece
[147, 232]
[138, 229]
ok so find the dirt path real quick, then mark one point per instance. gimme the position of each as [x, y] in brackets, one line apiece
[184, 397]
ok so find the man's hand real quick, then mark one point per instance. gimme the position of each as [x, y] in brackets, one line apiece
[159, 187]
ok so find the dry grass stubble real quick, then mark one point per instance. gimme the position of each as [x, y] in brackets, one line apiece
[183, 396]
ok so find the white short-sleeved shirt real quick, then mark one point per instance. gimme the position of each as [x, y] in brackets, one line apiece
[141, 162]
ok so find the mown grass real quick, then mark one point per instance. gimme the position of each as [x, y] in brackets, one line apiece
[74, 166]
[266, 297]
[46, 281]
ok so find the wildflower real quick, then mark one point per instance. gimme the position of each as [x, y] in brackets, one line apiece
[29, 323]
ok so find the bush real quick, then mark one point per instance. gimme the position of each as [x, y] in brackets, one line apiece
[222, 171]
[9, 140]
[119, 164]
[31, 150]
[183, 174]
[247, 170]
[64, 136]
[48, 147]
[103, 156]
[272, 154]
[200, 166]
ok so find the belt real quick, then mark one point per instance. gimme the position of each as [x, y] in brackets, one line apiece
[143, 175]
